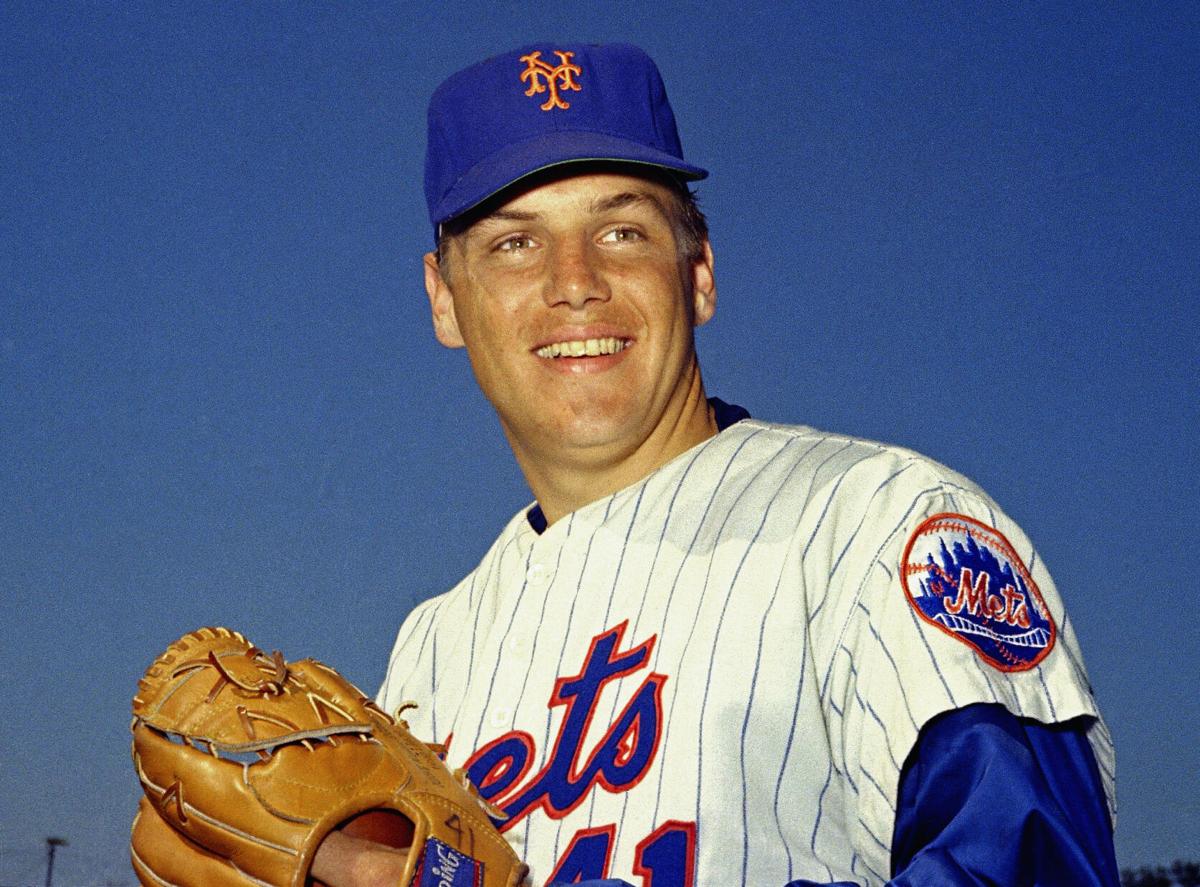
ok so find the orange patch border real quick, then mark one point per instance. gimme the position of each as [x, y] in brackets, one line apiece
[988, 537]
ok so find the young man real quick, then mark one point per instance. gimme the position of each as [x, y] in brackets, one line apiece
[716, 650]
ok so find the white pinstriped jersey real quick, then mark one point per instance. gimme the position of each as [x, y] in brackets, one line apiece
[714, 676]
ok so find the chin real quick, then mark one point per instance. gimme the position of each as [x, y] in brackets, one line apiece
[596, 426]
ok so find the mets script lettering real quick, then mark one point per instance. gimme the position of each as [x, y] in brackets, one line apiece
[616, 763]
[1008, 606]
[542, 75]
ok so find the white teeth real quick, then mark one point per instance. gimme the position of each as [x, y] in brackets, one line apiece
[581, 347]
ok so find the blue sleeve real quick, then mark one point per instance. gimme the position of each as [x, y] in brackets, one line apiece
[982, 780]
[987, 798]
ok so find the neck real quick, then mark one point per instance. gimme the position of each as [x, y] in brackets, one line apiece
[563, 482]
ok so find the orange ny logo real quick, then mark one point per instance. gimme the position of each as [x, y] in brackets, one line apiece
[541, 75]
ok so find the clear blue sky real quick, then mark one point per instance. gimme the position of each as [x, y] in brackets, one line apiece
[969, 230]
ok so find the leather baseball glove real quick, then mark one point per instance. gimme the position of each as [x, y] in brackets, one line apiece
[248, 762]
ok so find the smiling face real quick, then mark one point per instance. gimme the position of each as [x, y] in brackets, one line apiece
[577, 312]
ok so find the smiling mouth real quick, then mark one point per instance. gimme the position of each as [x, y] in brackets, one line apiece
[584, 347]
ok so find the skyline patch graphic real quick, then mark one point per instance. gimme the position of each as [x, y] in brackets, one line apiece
[964, 577]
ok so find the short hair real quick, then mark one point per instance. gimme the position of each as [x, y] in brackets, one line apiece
[687, 219]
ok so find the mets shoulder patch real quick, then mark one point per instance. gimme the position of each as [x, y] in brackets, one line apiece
[443, 866]
[965, 578]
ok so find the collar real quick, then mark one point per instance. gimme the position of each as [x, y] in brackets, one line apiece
[725, 414]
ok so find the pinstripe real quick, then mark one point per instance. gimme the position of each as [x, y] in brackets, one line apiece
[886, 848]
[475, 624]
[870, 868]
[987, 677]
[637, 505]
[700, 604]
[850, 541]
[491, 691]
[583, 571]
[1065, 627]
[566, 632]
[493, 569]
[866, 706]
[845, 774]
[592, 534]
[424, 613]
[866, 575]
[1030, 565]
[832, 493]
[433, 683]
[1042, 677]
[817, 821]
[724, 607]
[791, 734]
[879, 788]
[670, 597]
[1045, 689]
[426, 623]
[888, 653]
[662, 535]
[773, 518]
[536, 632]
[746, 723]
[932, 659]
[570, 532]
[762, 630]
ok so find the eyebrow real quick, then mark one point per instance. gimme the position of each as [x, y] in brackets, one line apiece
[624, 199]
[596, 207]
[508, 215]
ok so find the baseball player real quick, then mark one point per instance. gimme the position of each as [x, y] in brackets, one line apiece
[716, 650]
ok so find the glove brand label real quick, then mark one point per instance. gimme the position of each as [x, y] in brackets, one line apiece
[443, 866]
[964, 577]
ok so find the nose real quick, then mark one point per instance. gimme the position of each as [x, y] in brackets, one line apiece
[576, 276]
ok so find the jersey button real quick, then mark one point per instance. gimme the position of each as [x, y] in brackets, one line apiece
[500, 717]
[537, 574]
[518, 644]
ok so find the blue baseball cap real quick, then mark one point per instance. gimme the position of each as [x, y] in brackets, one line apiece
[539, 106]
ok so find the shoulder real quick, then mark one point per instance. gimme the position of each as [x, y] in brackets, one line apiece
[830, 470]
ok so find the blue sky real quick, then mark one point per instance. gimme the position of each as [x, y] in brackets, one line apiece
[972, 231]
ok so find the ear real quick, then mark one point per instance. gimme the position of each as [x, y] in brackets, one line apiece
[704, 287]
[441, 304]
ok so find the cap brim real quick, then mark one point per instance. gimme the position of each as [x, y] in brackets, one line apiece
[508, 166]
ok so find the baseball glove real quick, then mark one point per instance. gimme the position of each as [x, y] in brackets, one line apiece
[248, 762]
